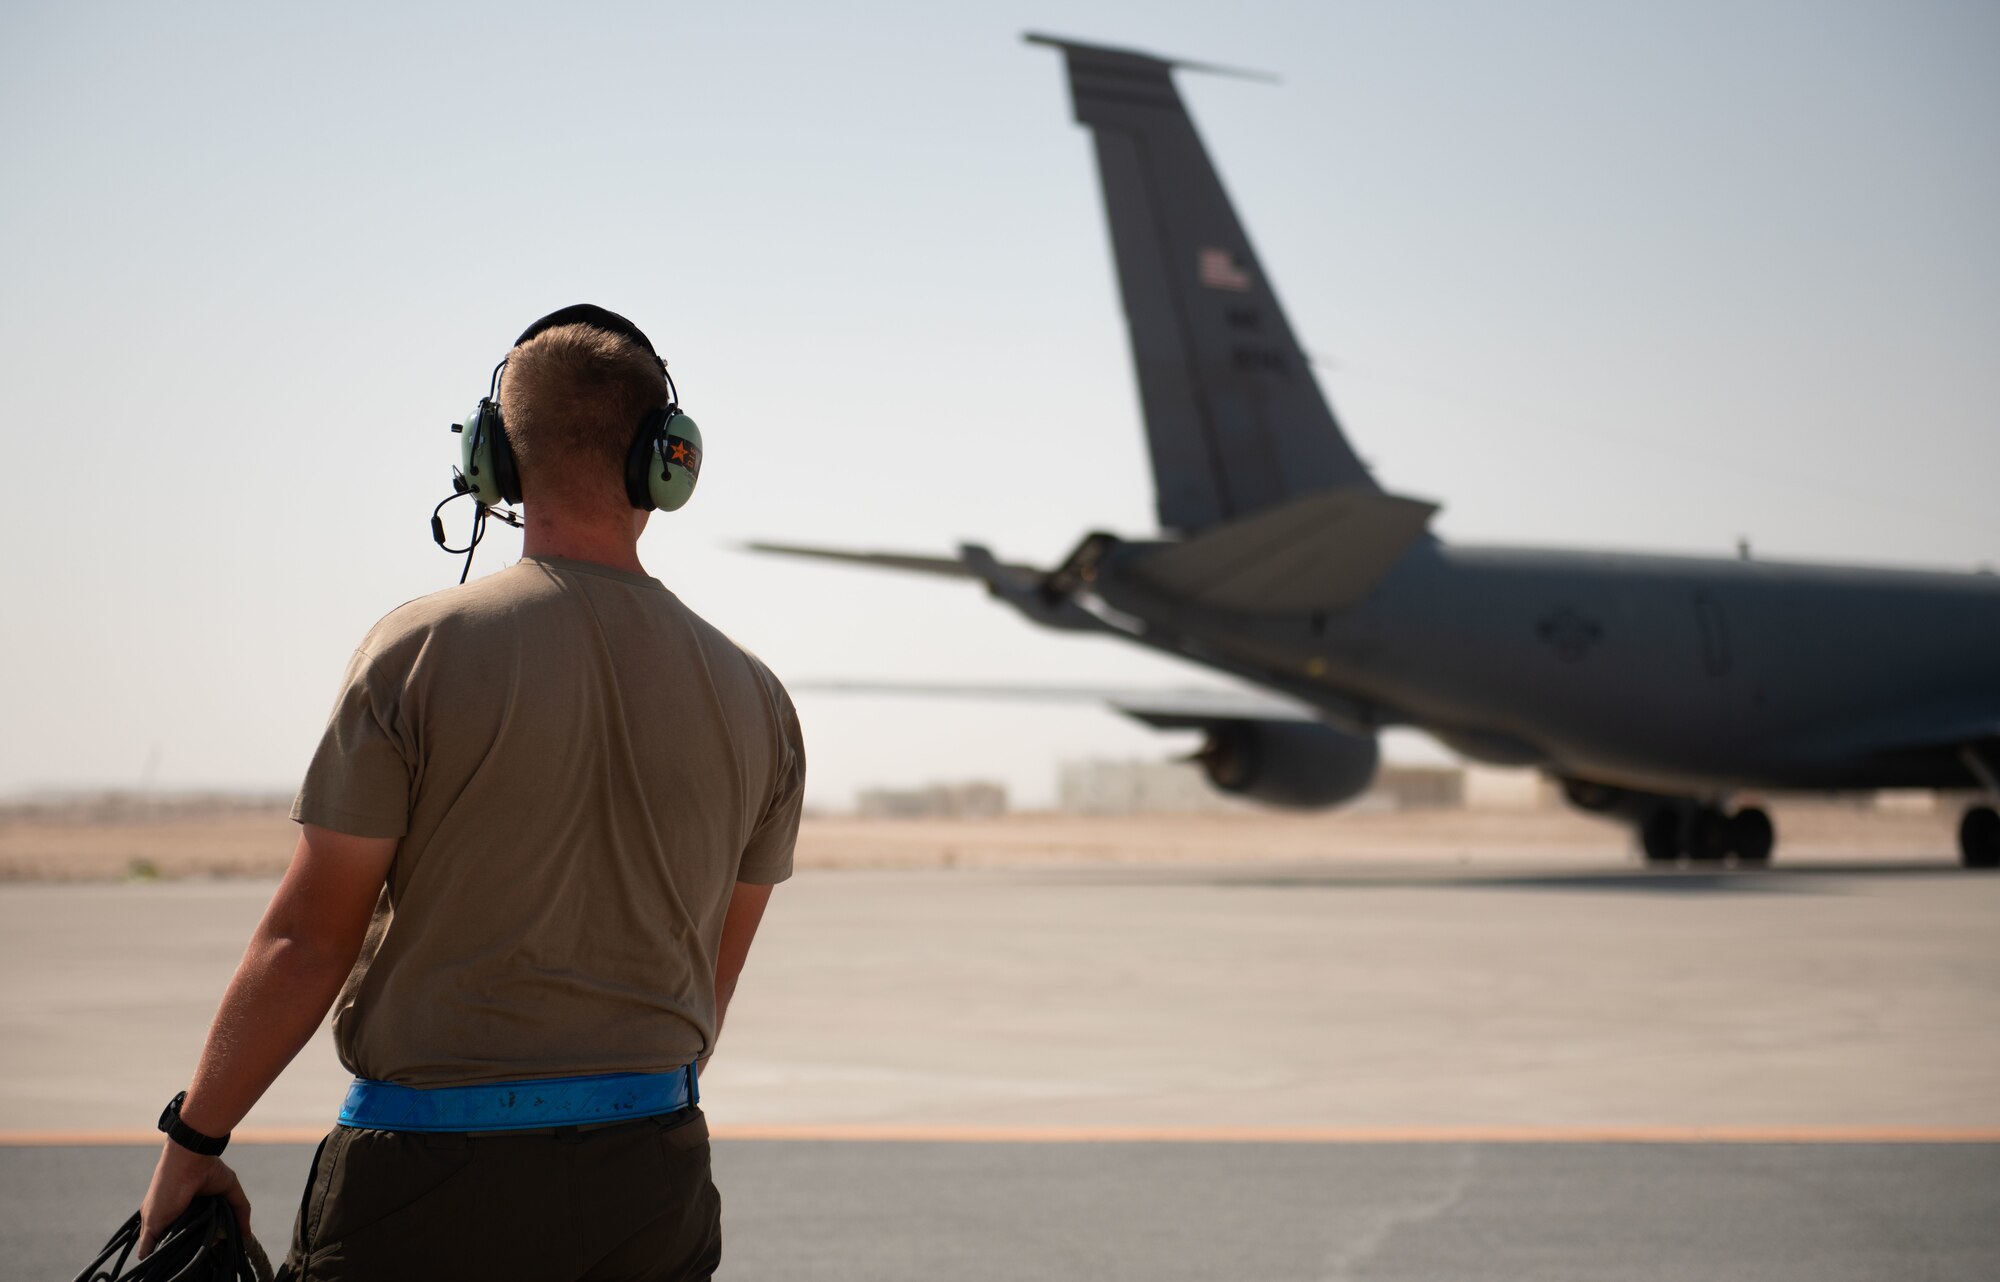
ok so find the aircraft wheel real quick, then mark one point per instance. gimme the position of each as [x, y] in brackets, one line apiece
[1660, 835]
[1708, 836]
[1751, 835]
[1979, 838]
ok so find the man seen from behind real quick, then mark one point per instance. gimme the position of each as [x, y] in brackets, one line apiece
[572, 797]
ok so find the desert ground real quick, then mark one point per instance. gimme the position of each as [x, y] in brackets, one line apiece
[227, 838]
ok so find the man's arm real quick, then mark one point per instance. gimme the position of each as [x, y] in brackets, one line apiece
[739, 927]
[298, 958]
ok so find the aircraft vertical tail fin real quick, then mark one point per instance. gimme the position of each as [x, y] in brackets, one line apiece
[1235, 420]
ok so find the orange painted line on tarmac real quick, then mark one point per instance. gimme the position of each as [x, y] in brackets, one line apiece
[1187, 1135]
[1369, 1134]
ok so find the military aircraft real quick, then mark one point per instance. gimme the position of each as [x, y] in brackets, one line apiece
[1657, 689]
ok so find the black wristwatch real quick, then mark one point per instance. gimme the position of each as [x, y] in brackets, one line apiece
[187, 1136]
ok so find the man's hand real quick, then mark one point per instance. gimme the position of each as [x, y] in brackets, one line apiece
[297, 960]
[178, 1180]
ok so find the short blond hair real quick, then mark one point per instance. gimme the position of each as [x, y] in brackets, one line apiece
[572, 397]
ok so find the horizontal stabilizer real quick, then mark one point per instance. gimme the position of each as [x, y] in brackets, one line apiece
[1184, 708]
[1325, 551]
[946, 566]
[1110, 51]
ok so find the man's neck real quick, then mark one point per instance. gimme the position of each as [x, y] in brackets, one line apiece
[600, 539]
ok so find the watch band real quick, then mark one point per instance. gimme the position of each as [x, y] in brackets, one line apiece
[187, 1136]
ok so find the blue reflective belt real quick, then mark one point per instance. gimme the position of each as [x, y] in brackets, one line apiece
[518, 1106]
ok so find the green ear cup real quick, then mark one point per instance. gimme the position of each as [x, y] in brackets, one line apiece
[475, 455]
[671, 483]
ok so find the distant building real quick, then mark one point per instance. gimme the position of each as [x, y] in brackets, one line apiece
[1416, 788]
[122, 806]
[1509, 788]
[1180, 787]
[976, 799]
[1138, 788]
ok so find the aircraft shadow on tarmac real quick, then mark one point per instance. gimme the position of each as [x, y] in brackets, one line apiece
[1794, 879]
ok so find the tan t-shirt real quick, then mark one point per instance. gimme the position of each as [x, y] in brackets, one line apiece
[580, 769]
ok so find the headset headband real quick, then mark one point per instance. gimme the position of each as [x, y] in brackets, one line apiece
[597, 318]
[665, 437]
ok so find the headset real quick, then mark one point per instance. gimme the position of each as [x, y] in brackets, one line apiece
[662, 463]
[203, 1245]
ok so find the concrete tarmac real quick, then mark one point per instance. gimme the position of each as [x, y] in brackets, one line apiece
[1567, 997]
[1365, 995]
[919, 1212]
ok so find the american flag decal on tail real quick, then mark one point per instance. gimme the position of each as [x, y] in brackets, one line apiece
[1218, 269]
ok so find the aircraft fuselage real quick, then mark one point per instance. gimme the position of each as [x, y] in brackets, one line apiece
[1673, 674]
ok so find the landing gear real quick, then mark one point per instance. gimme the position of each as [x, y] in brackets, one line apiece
[1751, 835]
[1707, 835]
[1674, 828]
[1979, 838]
[1660, 835]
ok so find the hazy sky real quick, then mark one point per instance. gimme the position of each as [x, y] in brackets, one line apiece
[1620, 275]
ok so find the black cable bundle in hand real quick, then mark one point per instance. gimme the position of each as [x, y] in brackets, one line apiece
[203, 1245]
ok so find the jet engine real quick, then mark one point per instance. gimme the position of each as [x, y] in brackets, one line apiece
[1304, 765]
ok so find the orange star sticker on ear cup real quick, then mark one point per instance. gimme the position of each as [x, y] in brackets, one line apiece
[680, 451]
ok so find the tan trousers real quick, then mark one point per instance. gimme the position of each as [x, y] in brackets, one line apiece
[624, 1201]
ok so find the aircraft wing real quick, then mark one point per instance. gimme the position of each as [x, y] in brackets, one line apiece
[1186, 708]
